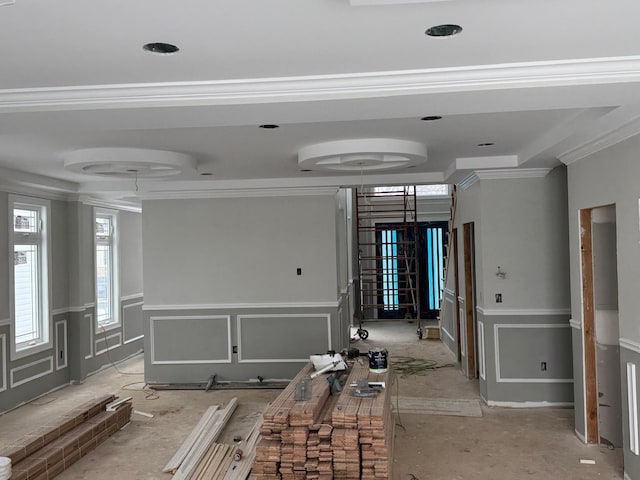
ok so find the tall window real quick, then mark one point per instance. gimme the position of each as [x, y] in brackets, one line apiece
[29, 276]
[106, 268]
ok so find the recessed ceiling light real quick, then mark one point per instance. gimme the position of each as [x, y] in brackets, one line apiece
[206, 174]
[269, 126]
[306, 170]
[431, 118]
[446, 30]
[160, 48]
[487, 144]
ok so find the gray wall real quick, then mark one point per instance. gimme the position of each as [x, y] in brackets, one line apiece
[224, 269]
[77, 349]
[521, 226]
[605, 178]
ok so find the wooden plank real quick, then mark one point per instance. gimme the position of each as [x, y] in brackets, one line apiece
[588, 320]
[218, 421]
[173, 464]
[469, 300]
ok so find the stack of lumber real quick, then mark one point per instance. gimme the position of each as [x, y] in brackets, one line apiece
[337, 436]
[48, 451]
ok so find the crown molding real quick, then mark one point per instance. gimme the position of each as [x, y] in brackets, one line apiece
[468, 181]
[503, 174]
[106, 203]
[601, 142]
[31, 184]
[589, 71]
[241, 193]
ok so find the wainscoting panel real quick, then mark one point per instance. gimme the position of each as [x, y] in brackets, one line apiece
[61, 345]
[520, 350]
[190, 339]
[31, 371]
[132, 325]
[3, 362]
[282, 337]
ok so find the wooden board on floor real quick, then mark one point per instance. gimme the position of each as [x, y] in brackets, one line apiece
[437, 406]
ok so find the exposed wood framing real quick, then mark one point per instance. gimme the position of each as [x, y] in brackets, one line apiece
[469, 301]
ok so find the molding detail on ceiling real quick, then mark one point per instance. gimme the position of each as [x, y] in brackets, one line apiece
[587, 71]
[601, 142]
[505, 174]
[362, 155]
[468, 181]
[243, 193]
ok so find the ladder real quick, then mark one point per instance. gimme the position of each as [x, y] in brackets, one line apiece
[387, 245]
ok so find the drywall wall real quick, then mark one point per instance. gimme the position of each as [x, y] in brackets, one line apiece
[610, 177]
[239, 250]
[130, 224]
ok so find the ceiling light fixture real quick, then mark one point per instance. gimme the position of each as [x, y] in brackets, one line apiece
[269, 126]
[431, 118]
[446, 30]
[160, 48]
[487, 144]
[206, 174]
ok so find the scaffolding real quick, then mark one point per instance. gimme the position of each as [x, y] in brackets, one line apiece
[387, 242]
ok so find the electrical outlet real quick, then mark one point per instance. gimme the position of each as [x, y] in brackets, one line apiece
[235, 349]
[61, 354]
[498, 298]
[298, 271]
[543, 366]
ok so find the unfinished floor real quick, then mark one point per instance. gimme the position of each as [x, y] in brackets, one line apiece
[502, 444]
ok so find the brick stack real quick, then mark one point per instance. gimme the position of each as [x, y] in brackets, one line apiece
[48, 451]
[340, 436]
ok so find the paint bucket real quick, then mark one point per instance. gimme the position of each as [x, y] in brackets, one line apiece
[378, 360]
[5, 468]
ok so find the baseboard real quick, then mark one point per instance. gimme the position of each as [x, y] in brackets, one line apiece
[55, 389]
[493, 403]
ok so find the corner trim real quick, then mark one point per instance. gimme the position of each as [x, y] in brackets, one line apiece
[469, 181]
[630, 345]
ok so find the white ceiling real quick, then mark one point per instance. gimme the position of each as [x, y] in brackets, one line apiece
[544, 80]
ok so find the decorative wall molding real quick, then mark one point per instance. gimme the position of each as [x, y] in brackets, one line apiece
[553, 73]
[630, 345]
[113, 204]
[61, 362]
[153, 320]
[449, 292]
[239, 319]
[496, 333]
[124, 322]
[242, 193]
[632, 406]
[108, 345]
[91, 329]
[494, 403]
[448, 334]
[238, 306]
[5, 321]
[3, 362]
[62, 311]
[523, 311]
[49, 370]
[481, 351]
[463, 330]
[575, 324]
[133, 296]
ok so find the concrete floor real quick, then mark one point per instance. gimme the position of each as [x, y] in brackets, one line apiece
[503, 444]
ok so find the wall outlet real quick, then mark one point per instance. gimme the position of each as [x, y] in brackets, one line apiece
[498, 298]
[235, 349]
[298, 271]
[543, 366]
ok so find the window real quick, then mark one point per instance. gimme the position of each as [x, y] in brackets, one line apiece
[106, 268]
[29, 277]
[421, 190]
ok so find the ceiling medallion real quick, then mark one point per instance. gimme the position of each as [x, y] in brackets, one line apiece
[362, 155]
[129, 162]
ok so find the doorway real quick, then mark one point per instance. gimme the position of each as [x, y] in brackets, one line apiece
[469, 299]
[601, 326]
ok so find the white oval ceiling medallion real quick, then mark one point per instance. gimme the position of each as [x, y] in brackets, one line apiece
[362, 154]
[129, 162]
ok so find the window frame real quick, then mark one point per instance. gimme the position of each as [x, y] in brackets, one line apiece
[45, 340]
[115, 321]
